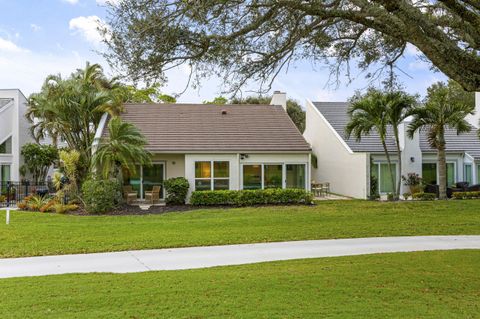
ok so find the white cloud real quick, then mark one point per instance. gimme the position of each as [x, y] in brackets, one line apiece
[9, 46]
[35, 28]
[71, 1]
[87, 27]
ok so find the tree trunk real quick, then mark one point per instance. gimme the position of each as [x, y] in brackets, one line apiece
[442, 167]
[399, 156]
[392, 173]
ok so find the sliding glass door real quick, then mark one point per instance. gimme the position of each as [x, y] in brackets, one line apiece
[430, 173]
[381, 171]
[145, 178]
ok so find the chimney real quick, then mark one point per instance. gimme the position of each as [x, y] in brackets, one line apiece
[279, 98]
[473, 119]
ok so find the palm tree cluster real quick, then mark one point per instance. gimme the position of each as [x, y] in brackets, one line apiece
[445, 107]
[70, 109]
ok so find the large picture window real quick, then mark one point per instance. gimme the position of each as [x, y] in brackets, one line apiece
[429, 173]
[382, 172]
[212, 175]
[264, 176]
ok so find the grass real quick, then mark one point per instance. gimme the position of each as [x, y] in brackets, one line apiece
[441, 284]
[31, 234]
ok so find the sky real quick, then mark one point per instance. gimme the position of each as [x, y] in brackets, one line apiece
[42, 37]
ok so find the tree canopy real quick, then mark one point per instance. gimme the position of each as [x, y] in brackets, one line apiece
[255, 39]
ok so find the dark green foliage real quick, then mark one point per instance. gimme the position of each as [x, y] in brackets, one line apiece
[251, 197]
[148, 94]
[38, 159]
[466, 195]
[101, 196]
[252, 41]
[177, 189]
[424, 196]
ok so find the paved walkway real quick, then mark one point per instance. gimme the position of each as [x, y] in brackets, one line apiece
[201, 257]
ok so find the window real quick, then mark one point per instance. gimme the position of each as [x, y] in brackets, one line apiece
[450, 174]
[382, 172]
[295, 176]
[429, 173]
[212, 175]
[252, 176]
[4, 174]
[272, 176]
[478, 173]
[6, 147]
[264, 176]
[468, 174]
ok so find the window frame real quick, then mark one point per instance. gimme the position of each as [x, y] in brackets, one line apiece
[212, 177]
[465, 172]
[455, 175]
[377, 165]
[284, 172]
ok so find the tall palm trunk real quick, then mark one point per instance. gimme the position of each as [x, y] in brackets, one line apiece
[389, 162]
[442, 166]
[399, 159]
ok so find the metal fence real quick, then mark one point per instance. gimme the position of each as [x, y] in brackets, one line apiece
[12, 193]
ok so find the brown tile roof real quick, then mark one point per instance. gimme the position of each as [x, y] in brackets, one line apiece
[203, 128]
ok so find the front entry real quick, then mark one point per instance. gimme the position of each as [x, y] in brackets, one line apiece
[145, 178]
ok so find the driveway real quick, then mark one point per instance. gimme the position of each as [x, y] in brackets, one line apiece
[202, 257]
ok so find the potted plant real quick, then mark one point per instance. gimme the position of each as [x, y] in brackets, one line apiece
[413, 181]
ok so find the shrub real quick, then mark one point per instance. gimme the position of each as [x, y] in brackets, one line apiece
[424, 196]
[63, 209]
[251, 197]
[36, 202]
[49, 206]
[177, 189]
[466, 195]
[101, 196]
[3, 198]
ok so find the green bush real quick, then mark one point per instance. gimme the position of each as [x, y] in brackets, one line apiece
[424, 196]
[466, 195]
[101, 196]
[251, 197]
[177, 189]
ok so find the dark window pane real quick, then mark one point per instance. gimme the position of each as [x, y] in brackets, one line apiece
[221, 169]
[252, 176]
[6, 147]
[219, 184]
[273, 176]
[202, 170]
[295, 176]
[429, 173]
[203, 185]
[468, 174]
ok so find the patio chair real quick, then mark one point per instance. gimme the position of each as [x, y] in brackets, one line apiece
[129, 194]
[316, 188]
[154, 195]
[326, 188]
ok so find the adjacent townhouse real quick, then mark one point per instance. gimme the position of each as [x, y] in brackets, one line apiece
[348, 164]
[14, 133]
[219, 147]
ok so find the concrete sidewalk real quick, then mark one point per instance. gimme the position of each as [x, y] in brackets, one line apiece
[201, 257]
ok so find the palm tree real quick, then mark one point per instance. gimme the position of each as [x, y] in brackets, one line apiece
[124, 147]
[398, 106]
[370, 113]
[446, 106]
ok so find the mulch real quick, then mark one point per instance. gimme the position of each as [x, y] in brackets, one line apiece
[136, 210]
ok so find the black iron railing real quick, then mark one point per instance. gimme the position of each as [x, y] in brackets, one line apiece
[12, 193]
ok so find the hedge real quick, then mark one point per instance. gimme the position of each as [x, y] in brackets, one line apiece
[424, 196]
[101, 196]
[177, 190]
[251, 197]
[466, 195]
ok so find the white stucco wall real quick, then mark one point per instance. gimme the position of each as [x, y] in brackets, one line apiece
[13, 123]
[346, 171]
[174, 164]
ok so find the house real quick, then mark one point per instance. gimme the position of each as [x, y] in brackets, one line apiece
[219, 147]
[349, 164]
[14, 133]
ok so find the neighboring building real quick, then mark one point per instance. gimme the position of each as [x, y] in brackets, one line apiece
[219, 146]
[14, 133]
[348, 164]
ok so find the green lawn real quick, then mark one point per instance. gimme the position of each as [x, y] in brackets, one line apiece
[32, 234]
[442, 284]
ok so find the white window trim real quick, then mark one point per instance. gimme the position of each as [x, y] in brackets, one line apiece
[284, 172]
[212, 177]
